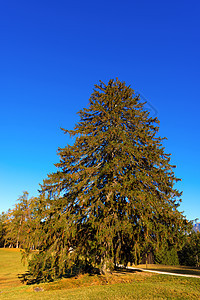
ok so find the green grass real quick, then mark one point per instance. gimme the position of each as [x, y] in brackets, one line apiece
[10, 267]
[119, 285]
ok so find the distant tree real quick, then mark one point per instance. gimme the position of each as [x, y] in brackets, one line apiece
[2, 229]
[190, 253]
[113, 197]
[16, 222]
[167, 256]
[33, 236]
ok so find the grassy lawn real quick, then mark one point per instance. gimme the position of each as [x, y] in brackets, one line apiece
[119, 285]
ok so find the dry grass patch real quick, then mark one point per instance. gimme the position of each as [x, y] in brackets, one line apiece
[86, 280]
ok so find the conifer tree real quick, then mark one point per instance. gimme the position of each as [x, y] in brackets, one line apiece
[190, 253]
[2, 229]
[113, 197]
[16, 222]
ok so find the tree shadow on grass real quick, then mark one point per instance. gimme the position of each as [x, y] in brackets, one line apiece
[27, 277]
[127, 271]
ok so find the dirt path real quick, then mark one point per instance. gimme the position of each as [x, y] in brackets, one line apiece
[160, 272]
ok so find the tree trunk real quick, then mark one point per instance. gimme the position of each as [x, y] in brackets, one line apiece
[106, 266]
[197, 261]
[146, 260]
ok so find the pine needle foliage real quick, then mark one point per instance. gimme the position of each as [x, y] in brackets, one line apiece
[113, 198]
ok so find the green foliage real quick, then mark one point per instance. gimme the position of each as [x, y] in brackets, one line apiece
[43, 267]
[18, 223]
[2, 229]
[167, 257]
[190, 254]
[112, 197]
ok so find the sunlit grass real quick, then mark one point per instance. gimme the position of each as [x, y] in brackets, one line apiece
[10, 267]
[119, 285]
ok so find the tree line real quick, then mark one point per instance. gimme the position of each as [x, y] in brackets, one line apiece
[19, 229]
[113, 198]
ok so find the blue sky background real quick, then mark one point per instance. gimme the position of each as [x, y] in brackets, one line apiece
[53, 52]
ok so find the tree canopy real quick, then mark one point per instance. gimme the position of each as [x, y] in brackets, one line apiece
[18, 222]
[113, 197]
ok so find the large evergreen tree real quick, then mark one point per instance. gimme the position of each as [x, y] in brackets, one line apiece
[113, 197]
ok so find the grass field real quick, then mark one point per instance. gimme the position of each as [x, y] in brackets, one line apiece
[119, 285]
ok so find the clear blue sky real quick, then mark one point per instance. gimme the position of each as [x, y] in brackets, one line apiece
[53, 52]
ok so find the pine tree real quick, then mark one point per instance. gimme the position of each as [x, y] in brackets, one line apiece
[113, 197]
[190, 253]
[16, 222]
[2, 229]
